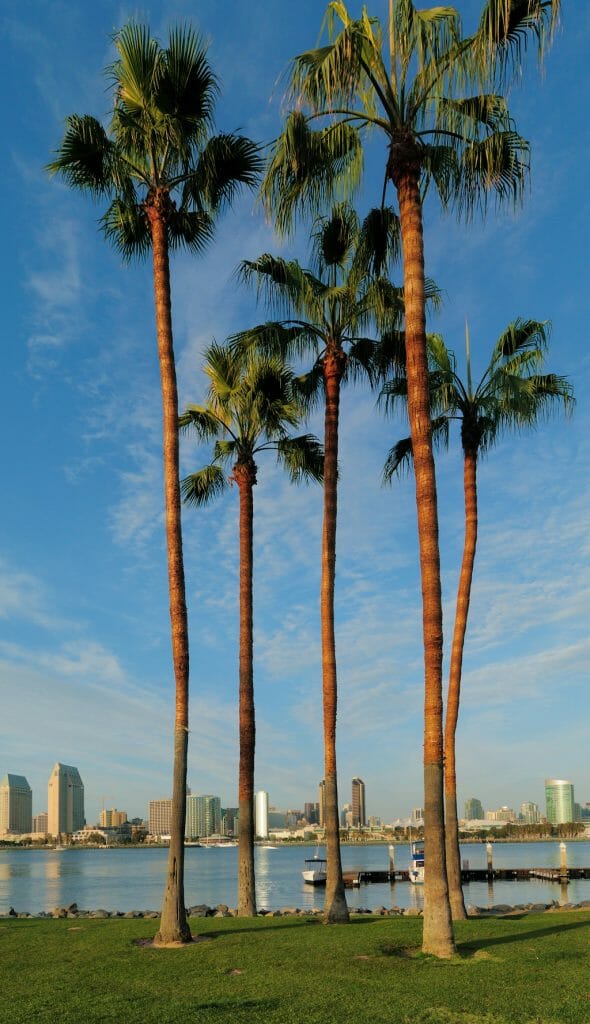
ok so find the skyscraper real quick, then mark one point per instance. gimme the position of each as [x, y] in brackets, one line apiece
[559, 799]
[530, 813]
[65, 800]
[16, 800]
[203, 816]
[359, 816]
[261, 814]
[474, 809]
[160, 815]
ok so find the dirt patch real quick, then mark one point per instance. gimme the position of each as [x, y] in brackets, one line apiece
[150, 944]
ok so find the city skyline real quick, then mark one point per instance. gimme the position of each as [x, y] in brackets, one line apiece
[557, 792]
[84, 622]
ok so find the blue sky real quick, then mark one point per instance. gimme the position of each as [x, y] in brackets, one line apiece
[85, 674]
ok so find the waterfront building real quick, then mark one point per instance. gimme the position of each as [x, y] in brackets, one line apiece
[359, 817]
[40, 823]
[203, 816]
[530, 813]
[160, 817]
[229, 821]
[559, 800]
[417, 816]
[311, 813]
[261, 814]
[504, 814]
[112, 818]
[375, 821]
[65, 800]
[16, 802]
[474, 809]
[346, 816]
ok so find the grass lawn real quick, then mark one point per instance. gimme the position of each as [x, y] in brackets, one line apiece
[295, 971]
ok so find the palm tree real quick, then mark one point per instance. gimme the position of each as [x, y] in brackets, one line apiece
[166, 176]
[251, 407]
[328, 309]
[465, 146]
[511, 395]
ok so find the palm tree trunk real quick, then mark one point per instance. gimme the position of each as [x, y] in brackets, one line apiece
[452, 714]
[245, 477]
[335, 908]
[173, 925]
[438, 927]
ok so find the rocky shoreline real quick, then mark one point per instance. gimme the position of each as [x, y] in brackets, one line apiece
[73, 912]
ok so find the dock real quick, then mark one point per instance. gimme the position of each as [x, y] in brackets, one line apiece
[361, 877]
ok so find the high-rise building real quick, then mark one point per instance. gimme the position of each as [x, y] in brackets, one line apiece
[322, 803]
[559, 800]
[261, 814]
[160, 817]
[229, 821]
[474, 809]
[203, 816]
[16, 802]
[346, 816]
[311, 812]
[530, 813]
[40, 822]
[359, 817]
[65, 800]
[417, 816]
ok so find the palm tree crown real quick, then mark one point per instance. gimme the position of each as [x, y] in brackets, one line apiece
[159, 148]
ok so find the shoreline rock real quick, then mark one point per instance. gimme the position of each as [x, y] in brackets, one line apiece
[72, 911]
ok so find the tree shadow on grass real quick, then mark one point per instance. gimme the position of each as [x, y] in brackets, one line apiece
[227, 1005]
[473, 945]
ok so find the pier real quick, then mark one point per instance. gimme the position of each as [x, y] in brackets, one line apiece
[361, 877]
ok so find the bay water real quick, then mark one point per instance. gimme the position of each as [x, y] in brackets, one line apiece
[126, 879]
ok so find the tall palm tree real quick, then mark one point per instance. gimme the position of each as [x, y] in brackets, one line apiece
[166, 176]
[327, 311]
[251, 407]
[409, 83]
[511, 395]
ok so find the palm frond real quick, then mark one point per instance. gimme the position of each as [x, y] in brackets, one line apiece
[497, 164]
[309, 170]
[302, 457]
[505, 28]
[201, 420]
[225, 164]
[192, 229]
[379, 242]
[399, 460]
[86, 157]
[276, 338]
[202, 487]
[285, 285]
[126, 227]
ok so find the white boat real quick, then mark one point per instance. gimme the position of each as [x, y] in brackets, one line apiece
[416, 869]
[315, 871]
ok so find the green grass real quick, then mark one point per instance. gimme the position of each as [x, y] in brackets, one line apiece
[295, 971]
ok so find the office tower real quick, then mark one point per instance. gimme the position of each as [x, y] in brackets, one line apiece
[261, 814]
[359, 817]
[16, 802]
[160, 816]
[229, 821]
[474, 809]
[203, 816]
[65, 800]
[322, 803]
[530, 813]
[312, 813]
[417, 816]
[346, 816]
[40, 822]
[559, 800]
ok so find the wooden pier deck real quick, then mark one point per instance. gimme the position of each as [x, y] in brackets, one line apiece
[360, 877]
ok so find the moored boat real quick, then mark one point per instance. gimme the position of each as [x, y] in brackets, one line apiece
[315, 870]
[416, 869]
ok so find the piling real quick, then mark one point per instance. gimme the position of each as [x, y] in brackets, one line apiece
[490, 860]
[563, 873]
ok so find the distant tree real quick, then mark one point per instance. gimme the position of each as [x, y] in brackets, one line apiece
[166, 176]
[251, 407]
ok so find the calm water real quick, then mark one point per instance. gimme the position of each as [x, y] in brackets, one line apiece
[36, 880]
